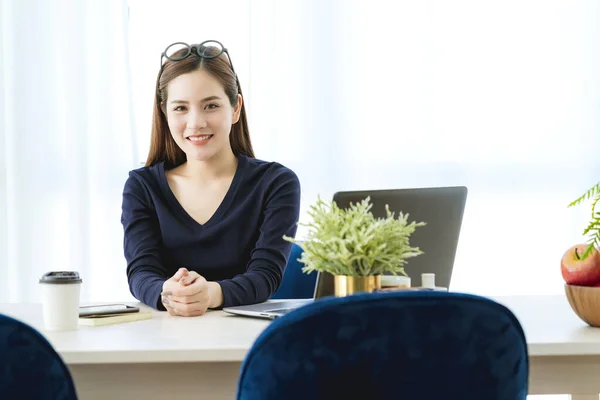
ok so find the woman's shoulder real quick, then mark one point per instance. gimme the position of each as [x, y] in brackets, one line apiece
[147, 172]
[270, 170]
[146, 176]
[269, 177]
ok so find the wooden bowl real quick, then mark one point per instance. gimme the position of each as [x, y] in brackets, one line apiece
[585, 301]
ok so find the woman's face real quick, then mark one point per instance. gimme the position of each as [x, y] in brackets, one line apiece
[199, 115]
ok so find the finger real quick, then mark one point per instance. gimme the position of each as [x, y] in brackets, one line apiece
[171, 311]
[196, 292]
[167, 304]
[188, 310]
[164, 299]
[198, 286]
[189, 278]
[200, 297]
[181, 272]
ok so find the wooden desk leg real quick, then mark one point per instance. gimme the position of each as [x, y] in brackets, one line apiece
[584, 397]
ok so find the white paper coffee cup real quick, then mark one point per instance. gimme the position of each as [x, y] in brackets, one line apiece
[60, 299]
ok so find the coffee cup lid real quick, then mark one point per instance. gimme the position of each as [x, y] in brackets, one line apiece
[61, 277]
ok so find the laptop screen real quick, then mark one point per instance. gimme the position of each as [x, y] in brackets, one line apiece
[441, 208]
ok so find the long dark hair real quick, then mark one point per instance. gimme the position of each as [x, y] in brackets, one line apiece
[162, 145]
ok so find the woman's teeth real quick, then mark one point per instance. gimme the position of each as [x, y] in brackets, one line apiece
[199, 138]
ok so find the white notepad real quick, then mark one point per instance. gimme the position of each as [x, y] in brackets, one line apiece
[100, 320]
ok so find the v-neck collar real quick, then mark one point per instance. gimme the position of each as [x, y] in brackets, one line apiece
[178, 209]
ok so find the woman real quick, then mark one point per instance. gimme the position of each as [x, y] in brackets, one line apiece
[204, 220]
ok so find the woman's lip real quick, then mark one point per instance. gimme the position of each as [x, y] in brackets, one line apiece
[199, 136]
[199, 142]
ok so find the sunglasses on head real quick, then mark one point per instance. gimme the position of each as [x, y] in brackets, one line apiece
[208, 49]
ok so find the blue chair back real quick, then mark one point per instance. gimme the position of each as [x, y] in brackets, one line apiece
[30, 368]
[398, 345]
[295, 283]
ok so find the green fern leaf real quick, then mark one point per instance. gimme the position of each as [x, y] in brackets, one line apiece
[594, 205]
[592, 230]
[594, 225]
[593, 243]
[594, 191]
[587, 251]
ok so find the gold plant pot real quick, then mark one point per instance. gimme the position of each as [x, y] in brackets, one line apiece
[348, 285]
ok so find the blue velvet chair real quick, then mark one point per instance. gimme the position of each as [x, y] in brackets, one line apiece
[296, 284]
[29, 367]
[408, 346]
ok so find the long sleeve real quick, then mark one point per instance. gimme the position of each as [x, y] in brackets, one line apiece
[142, 244]
[265, 268]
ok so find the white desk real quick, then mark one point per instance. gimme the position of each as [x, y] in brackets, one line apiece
[161, 358]
[564, 352]
[192, 358]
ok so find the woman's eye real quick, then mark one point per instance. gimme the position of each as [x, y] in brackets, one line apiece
[212, 106]
[179, 108]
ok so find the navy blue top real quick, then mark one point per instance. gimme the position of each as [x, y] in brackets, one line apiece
[240, 246]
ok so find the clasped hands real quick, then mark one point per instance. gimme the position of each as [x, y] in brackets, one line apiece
[188, 294]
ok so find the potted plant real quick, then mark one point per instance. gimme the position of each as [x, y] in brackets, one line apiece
[592, 230]
[354, 246]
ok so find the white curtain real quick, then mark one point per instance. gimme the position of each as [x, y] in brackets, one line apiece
[502, 97]
[67, 142]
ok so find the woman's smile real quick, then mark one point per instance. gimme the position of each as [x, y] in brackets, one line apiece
[199, 140]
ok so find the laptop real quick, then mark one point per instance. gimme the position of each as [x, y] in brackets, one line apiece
[276, 309]
[441, 208]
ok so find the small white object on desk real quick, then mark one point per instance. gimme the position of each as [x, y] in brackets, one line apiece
[395, 281]
[428, 282]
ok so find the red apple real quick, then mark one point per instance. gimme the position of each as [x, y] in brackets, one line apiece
[576, 271]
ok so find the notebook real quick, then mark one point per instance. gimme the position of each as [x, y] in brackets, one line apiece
[110, 319]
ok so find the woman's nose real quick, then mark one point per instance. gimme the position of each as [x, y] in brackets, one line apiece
[196, 121]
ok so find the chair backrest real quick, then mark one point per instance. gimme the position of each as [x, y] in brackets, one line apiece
[398, 345]
[295, 283]
[30, 368]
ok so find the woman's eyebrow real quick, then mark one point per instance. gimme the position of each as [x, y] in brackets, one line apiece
[209, 98]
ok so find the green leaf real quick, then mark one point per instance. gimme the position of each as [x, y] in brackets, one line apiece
[594, 191]
[592, 244]
[592, 226]
[592, 230]
[594, 205]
